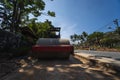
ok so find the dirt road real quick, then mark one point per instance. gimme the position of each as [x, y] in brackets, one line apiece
[71, 69]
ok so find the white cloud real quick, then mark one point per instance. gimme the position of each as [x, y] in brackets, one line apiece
[67, 30]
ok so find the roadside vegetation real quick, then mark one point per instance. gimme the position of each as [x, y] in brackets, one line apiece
[109, 40]
[16, 14]
[19, 18]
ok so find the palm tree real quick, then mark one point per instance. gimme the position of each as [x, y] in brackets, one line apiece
[84, 34]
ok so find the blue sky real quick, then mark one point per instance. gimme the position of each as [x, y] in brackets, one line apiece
[76, 16]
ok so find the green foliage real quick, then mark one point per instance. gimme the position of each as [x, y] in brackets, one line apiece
[99, 39]
[74, 37]
[51, 13]
[15, 16]
[15, 13]
[117, 30]
[40, 29]
[79, 38]
[84, 34]
[95, 35]
[95, 38]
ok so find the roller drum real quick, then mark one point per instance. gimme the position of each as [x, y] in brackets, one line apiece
[52, 48]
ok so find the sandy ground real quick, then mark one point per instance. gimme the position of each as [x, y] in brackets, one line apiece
[72, 69]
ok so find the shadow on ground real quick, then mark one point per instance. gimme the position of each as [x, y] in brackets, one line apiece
[73, 69]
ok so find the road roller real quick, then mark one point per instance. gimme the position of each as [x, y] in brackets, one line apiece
[52, 48]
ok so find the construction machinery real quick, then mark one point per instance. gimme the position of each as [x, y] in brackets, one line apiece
[53, 47]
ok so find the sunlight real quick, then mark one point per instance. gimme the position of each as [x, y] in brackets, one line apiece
[50, 69]
[21, 70]
[37, 67]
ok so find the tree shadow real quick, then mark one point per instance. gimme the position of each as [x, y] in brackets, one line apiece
[57, 70]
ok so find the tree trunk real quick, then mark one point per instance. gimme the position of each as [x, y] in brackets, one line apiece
[13, 17]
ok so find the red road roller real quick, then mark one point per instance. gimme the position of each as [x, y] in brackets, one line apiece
[52, 48]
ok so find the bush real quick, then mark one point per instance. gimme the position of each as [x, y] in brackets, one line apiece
[21, 51]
